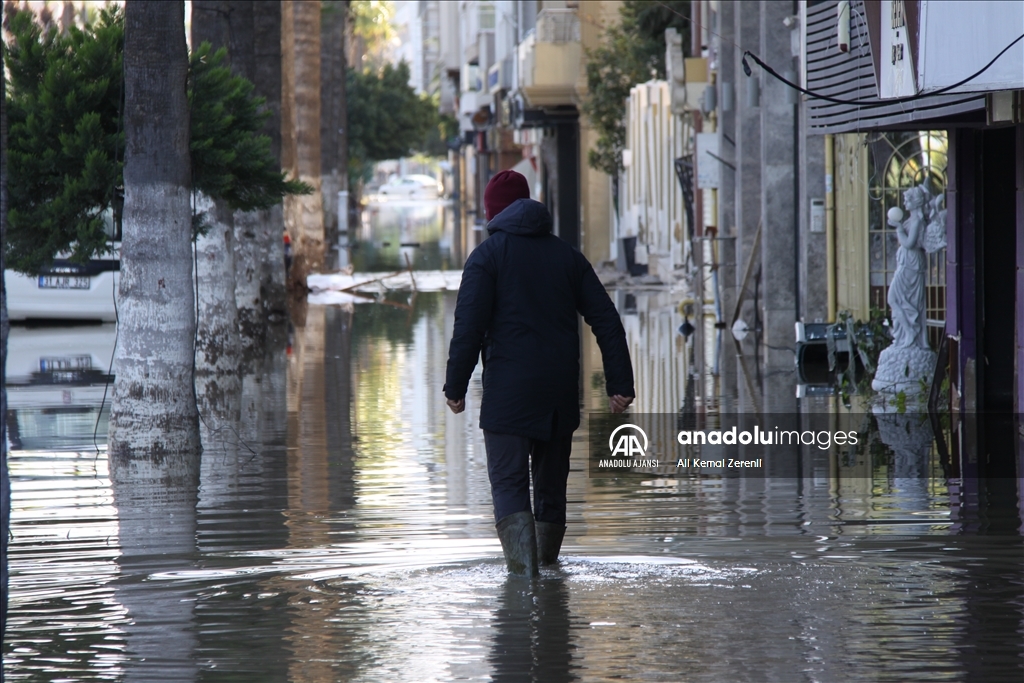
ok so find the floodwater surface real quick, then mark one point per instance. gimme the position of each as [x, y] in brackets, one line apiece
[342, 531]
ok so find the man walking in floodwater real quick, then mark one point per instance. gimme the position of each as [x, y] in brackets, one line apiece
[521, 293]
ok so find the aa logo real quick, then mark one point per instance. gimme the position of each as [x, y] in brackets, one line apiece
[625, 441]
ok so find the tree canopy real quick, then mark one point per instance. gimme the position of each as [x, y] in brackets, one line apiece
[64, 138]
[66, 142]
[230, 159]
[632, 52]
[373, 31]
[386, 118]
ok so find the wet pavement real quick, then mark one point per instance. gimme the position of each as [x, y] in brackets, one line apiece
[342, 530]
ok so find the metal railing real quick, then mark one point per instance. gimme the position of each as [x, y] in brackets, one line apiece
[558, 26]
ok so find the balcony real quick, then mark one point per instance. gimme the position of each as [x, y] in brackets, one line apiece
[549, 59]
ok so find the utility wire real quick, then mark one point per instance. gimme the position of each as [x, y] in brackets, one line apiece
[115, 216]
[873, 102]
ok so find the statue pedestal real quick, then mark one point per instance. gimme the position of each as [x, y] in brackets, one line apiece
[904, 369]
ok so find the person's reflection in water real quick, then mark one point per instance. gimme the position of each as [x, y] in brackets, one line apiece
[532, 640]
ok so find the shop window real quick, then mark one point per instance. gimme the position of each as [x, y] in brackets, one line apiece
[898, 161]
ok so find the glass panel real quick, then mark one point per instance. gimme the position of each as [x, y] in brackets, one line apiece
[876, 260]
[897, 162]
[486, 16]
[892, 245]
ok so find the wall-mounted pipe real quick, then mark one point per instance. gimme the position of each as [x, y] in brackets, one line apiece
[843, 28]
[753, 92]
[830, 225]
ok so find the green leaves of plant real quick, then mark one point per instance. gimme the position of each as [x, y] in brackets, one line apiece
[386, 118]
[65, 100]
[231, 161]
[64, 141]
[632, 52]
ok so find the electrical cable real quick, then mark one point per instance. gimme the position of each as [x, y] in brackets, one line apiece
[113, 279]
[872, 103]
[835, 100]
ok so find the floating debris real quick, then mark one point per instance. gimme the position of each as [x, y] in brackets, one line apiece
[343, 288]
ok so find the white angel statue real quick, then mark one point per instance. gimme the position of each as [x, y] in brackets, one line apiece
[906, 296]
[907, 363]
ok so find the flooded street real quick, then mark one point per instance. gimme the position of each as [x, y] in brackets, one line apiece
[343, 530]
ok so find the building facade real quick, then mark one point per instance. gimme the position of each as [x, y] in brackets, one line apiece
[937, 89]
[514, 75]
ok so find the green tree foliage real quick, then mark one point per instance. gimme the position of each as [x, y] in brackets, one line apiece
[386, 118]
[373, 31]
[65, 140]
[632, 52]
[230, 159]
[439, 137]
[66, 143]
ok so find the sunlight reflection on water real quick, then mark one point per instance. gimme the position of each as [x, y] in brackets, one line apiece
[356, 542]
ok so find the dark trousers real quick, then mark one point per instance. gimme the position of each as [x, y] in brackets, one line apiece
[510, 462]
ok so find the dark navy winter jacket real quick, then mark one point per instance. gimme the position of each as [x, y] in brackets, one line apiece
[521, 291]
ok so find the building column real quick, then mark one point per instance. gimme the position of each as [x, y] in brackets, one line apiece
[813, 254]
[779, 177]
[568, 205]
[726, 219]
[747, 193]
[1019, 394]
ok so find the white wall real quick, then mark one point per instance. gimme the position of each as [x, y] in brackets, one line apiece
[959, 38]
[450, 45]
[406, 22]
[650, 200]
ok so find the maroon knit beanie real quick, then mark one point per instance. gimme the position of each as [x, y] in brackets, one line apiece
[505, 187]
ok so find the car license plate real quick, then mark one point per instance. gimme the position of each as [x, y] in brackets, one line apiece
[63, 282]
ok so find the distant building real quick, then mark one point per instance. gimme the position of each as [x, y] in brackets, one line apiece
[513, 73]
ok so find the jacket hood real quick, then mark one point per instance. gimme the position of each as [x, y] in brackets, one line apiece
[522, 217]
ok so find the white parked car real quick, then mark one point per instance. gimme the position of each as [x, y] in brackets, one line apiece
[69, 291]
[414, 186]
[65, 291]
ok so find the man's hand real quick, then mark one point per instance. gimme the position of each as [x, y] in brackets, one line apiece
[618, 403]
[457, 406]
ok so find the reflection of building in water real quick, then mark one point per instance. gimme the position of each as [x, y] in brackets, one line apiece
[393, 235]
[465, 458]
[658, 352]
[399, 412]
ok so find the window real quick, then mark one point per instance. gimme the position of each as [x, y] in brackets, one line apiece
[487, 16]
[898, 161]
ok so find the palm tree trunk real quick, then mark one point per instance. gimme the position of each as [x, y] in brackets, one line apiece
[218, 348]
[303, 214]
[248, 224]
[332, 115]
[154, 424]
[218, 345]
[267, 81]
[5, 326]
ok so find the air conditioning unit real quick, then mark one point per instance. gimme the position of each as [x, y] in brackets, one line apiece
[499, 76]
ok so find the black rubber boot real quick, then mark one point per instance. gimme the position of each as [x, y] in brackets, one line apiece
[519, 543]
[549, 541]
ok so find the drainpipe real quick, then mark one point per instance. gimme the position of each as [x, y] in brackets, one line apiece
[830, 226]
[796, 210]
[796, 187]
